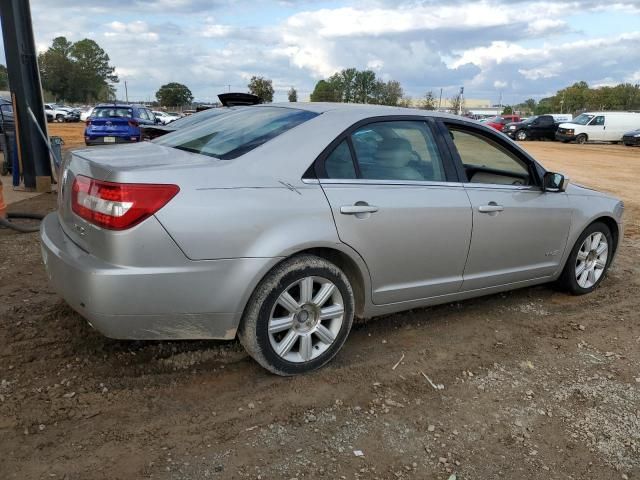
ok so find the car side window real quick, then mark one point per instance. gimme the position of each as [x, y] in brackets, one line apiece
[398, 150]
[598, 121]
[485, 161]
[339, 163]
[143, 114]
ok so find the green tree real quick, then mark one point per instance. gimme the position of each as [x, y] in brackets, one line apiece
[366, 87]
[174, 95]
[353, 86]
[92, 75]
[292, 95]
[56, 68]
[261, 87]
[508, 110]
[429, 101]
[529, 106]
[325, 92]
[77, 72]
[4, 78]
[389, 93]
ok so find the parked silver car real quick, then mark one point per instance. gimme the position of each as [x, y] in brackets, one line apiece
[280, 223]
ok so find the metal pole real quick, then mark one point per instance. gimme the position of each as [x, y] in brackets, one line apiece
[440, 101]
[24, 81]
[126, 91]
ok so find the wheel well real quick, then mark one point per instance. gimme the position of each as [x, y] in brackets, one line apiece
[350, 269]
[613, 227]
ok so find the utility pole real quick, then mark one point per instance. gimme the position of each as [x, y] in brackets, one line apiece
[461, 101]
[26, 93]
[440, 101]
[126, 91]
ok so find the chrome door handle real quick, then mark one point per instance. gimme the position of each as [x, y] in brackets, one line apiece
[357, 209]
[490, 208]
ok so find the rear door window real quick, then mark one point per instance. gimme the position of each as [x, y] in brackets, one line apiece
[229, 136]
[398, 150]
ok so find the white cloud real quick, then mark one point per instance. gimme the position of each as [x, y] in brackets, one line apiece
[525, 48]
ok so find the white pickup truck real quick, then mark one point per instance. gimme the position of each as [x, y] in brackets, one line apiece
[54, 112]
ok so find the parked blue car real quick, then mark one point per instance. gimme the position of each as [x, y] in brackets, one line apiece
[117, 123]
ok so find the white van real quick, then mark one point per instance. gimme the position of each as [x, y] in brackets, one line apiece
[598, 127]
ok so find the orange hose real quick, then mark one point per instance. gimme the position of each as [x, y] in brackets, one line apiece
[3, 206]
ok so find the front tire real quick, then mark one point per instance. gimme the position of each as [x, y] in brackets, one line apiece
[589, 260]
[521, 135]
[299, 316]
[59, 118]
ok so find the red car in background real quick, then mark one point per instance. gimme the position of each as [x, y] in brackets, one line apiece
[501, 120]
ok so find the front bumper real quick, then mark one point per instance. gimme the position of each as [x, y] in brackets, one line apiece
[563, 137]
[510, 133]
[200, 300]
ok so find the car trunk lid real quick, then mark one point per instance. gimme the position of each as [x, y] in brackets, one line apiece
[135, 163]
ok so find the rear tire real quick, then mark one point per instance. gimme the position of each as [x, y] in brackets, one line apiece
[588, 261]
[581, 139]
[299, 316]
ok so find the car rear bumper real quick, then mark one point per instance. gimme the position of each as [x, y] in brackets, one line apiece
[562, 137]
[200, 300]
[96, 139]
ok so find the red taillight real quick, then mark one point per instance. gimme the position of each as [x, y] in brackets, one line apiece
[88, 122]
[133, 123]
[118, 206]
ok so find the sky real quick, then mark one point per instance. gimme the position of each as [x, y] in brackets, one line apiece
[509, 49]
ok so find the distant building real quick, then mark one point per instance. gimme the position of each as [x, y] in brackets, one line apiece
[475, 106]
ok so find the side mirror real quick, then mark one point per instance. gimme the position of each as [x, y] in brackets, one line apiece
[554, 182]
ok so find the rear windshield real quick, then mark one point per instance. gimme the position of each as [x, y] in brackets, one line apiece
[198, 117]
[229, 136]
[112, 112]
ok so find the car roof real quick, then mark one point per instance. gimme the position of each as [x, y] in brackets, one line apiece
[358, 108]
[119, 105]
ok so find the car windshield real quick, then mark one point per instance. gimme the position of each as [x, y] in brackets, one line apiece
[582, 119]
[240, 131]
[530, 119]
[196, 118]
[497, 119]
[113, 112]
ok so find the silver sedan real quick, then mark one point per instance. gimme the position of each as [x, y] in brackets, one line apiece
[279, 224]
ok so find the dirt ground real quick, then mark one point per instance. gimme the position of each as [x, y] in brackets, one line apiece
[537, 384]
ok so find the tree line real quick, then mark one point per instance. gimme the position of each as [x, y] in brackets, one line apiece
[579, 97]
[358, 86]
[80, 72]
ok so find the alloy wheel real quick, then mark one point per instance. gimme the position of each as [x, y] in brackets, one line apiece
[591, 260]
[306, 319]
